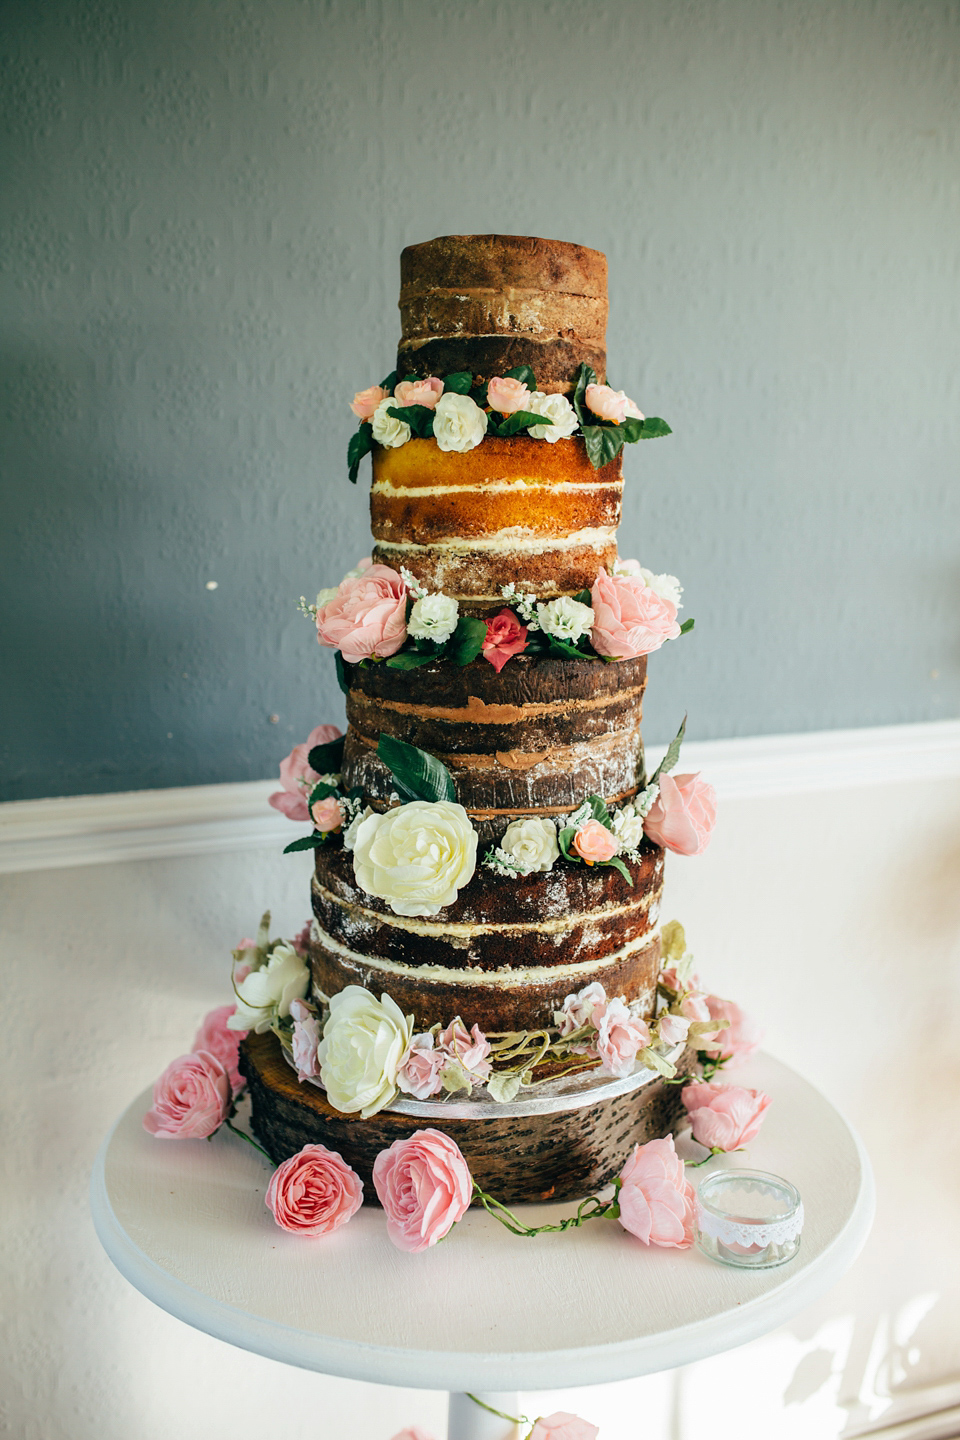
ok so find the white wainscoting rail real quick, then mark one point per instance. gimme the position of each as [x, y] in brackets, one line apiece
[196, 819]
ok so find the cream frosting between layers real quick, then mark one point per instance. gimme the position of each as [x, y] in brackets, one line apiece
[494, 487]
[510, 541]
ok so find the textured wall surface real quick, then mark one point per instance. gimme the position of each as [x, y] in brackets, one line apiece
[204, 206]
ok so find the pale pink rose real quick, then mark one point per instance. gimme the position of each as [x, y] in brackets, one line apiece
[301, 942]
[683, 815]
[507, 396]
[214, 1036]
[367, 616]
[505, 637]
[594, 842]
[694, 1006]
[628, 567]
[470, 1047]
[619, 1036]
[365, 402]
[413, 1432]
[305, 1040]
[672, 981]
[191, 1099]
[606, 403]
[325, 814]
[584, 1008]
[314, 1192]
[656, 1198]
[298, 780]
[561, 1425]
[424, 1185]
[741, 1037]
[419, 1075]
[630, 618]
[724, 1117]
[673, 1028]
[419, 392]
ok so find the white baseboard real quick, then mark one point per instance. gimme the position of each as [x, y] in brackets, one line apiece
[197, 819]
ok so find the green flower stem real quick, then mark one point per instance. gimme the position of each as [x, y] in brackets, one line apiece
[593, 1208]
[514, 1419]
[249, 1139]
[715, 1150]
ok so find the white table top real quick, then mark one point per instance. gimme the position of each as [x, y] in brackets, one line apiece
[185, 1222]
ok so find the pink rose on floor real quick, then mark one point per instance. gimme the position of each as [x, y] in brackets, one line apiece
[507, 395]
[419, 392]
[305, 1040]
[606, 403]
[593, 842]
[724, 1117]
[298, 780]
[584, 1008]
[620, 1036]
[470, 1047]
[561, 1425]
[314, 1192]
[505, 637]
[413, 1432]
[214, 1036]
[325, 814]
[630, 618]
[683, 815]
[741, 1037]
[673, 1028]
[419, 1075]
[367, 616]
[191, 1099]
[301, 943]
[424, 1186]
[366, 401]
[656, 1198]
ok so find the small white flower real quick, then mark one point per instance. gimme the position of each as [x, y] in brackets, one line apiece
[524, 604]
[416, 857]
[556, 408]
[565, 618]
[350, 834]
[364, 1044]
[434, 617]
[458, 423]
[627, 826]
[531, 844]
[387, 430]
[412, 583]
[668, 587]
[264, 995]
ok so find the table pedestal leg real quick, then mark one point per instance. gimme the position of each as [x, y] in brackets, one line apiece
[469, 1421]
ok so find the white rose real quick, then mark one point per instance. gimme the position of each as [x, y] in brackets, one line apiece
[350, 834]
[363, 1046]
[668, 587]
[416, 857]
[265, 995]
[387, 430]
[556, 408]
[627, 826]
[565, 618]
[434, 617]
[531, 844]
[458, 423]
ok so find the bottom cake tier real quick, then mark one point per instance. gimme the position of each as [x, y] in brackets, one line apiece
[551, 1147]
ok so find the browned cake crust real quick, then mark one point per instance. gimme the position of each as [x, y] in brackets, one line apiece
[561, 1156]
[487, 303]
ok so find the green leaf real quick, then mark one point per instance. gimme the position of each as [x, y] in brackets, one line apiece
[524, 374]
[390, 383]
[687, 626]
[521, 420]
[466, 642]
[672, 755]
[603, 442]
[503, 1088]
[600, 812]
[309, 842]
[321, 791]
[584, 597]
[618, 864]
[585, 377]
[565, 840]
[361, 443]
[653, 428]
[458, 383]
[564, 649]
[632, 429]
[419, 776]
[418, 417]
[341, 673]
[410, 660]
[327, 759]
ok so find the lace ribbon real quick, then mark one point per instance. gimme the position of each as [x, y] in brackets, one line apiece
[736, 1232]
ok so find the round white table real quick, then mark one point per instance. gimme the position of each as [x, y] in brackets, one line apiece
[485, 1311]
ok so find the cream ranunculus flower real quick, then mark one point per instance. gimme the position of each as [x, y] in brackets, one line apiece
[458, 423]
[364, 1043]
[387, 430]
[417, 856]
[531, 844]
[265, 995]
[556, 408]
[433, 617]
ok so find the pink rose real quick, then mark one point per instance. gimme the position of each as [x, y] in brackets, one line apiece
[305, 1040]
[673, 1028]
[419, 1075]
[365, 402]
[608, 404]
[424, 1186]
[656, 1198]
[561, 1425]
[413, 1432]
[470, 1047]
[298, 780]
[507, 395]
[630, 618]
[214, 1037]
[505, 637]
[314, 1192]
[301, 942]
[419, 392]
[683, 815]
[191, 1099]
[367, 616]
[672, 981]
[741, 1037]
[724, 1117]
[584, 1008]
[325, 814]
[594, 842]
[694, 1006]
[619, 1036]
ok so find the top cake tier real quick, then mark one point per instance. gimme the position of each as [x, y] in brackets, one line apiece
[488, 303]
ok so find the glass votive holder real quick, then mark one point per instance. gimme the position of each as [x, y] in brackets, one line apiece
[748, 1218]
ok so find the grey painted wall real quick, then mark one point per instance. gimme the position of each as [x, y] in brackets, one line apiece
[205, 205]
